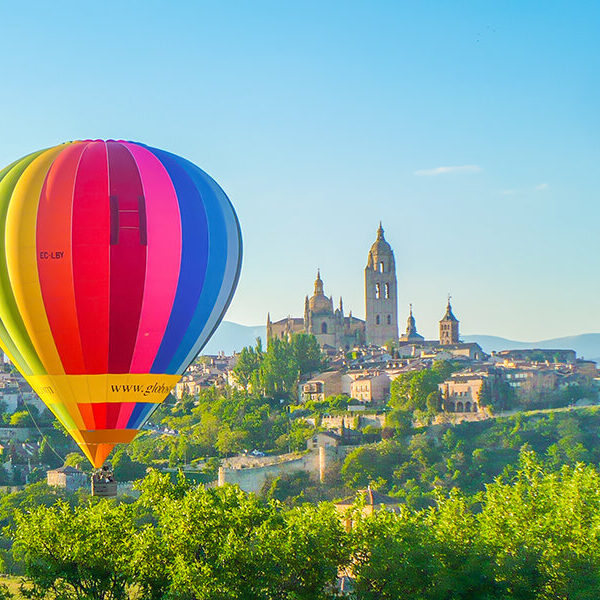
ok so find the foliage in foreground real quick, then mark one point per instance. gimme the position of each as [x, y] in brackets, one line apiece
[535, 536]
[183, 542]
[469, 456]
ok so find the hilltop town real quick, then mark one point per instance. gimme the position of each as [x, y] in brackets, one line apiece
[366, 363]
[351, 390]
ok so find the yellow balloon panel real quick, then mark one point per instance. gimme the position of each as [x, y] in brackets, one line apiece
[124, 387]
[102, 410]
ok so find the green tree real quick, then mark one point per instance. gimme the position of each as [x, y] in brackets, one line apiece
[75, 459]
[546, 525]
[279, 370]
[223, 543]
[307, 352]
[81, 553]
[230, 441]
[126, 469]
[47, 456]
[248, 363]
[21, 418]
[374, 464]
[418, 390]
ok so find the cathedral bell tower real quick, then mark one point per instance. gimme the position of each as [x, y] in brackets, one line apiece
[381, 293]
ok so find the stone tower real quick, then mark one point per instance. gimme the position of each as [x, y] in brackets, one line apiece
[449, 327]
[381, 293]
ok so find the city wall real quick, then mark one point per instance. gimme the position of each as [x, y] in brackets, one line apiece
[252, 478]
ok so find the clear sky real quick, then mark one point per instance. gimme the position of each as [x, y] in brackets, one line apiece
[471, 129]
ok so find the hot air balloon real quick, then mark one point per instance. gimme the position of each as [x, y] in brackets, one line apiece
[117, 263]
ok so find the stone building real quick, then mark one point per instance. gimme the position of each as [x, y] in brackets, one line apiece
[331, 327]
[460, 393]
[449, 327]
[68, 478]
[371, 387]
[381, 293]
[328, 383]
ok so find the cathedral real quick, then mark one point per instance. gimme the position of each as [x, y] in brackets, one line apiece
[335, 330]
[330, 327]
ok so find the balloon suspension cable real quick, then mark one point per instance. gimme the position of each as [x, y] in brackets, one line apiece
[44, 437]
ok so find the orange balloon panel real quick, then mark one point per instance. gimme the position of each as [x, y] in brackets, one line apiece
[117, 263]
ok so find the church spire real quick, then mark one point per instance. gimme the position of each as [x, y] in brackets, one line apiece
[411, 335]
[411, 326]
[380, 231]
[449, 316]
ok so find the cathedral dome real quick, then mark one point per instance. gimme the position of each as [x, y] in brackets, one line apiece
[319, 302]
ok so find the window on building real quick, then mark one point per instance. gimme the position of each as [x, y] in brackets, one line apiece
[377, 320]
[377, 291]
[389, 319]
[381, 267]
[387, 290]
[323, 327]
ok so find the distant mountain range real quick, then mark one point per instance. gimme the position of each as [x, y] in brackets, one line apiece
[587, 345]
[232, 337]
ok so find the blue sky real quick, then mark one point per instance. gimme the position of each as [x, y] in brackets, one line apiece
[321, 118]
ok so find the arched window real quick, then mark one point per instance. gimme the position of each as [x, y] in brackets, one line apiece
[377, 291]
[377, 320]
[381, 267]
[387, 290]
[389, 319]
[459, 407]
[468, 407]
[323, 327]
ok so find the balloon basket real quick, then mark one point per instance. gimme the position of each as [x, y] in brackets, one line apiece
[104, 484]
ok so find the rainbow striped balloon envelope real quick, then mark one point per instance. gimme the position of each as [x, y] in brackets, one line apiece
[117, 263]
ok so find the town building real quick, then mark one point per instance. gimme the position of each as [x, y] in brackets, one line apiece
[461, 392]
[328, 383]
[324, 439]
[371, 387]
[539, 355]
[68, 478]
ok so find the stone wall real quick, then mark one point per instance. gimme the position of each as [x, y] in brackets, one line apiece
[252, 478]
